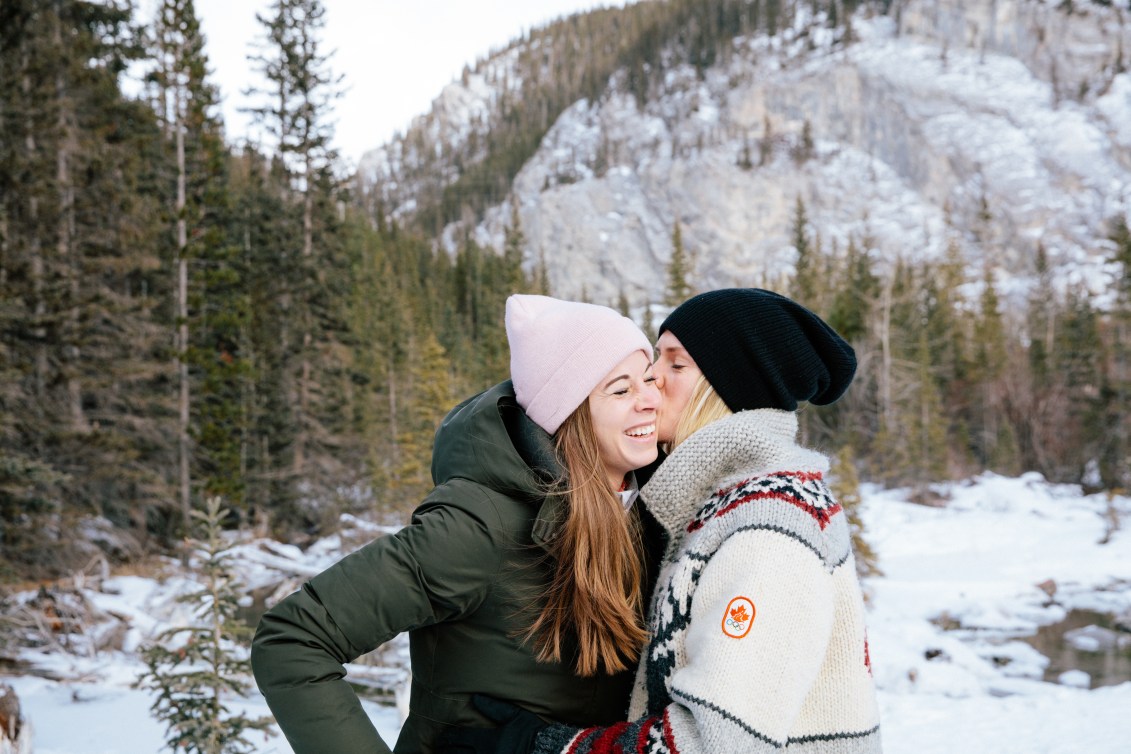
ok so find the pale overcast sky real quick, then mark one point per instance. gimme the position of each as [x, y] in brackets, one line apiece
[396, 55]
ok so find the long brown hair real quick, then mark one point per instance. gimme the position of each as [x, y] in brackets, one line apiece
[595, 592]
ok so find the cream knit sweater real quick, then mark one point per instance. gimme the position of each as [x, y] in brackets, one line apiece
[758, 641]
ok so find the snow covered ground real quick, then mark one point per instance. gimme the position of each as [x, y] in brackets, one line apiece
[963, 585]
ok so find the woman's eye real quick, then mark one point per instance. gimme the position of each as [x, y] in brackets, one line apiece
[677, 367]
[622, 391]
[650, 379]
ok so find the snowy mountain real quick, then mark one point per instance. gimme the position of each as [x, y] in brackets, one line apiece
[997, 125]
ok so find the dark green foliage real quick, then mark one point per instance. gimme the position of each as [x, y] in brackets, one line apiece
[81, 420]
[805, 148]
[855, 295]
[1115, 466]
[678, 289]
[431, 397]
[806, 269]
[1079, 363]
[278, 277]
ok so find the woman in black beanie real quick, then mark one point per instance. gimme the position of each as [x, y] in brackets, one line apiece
[757, 636]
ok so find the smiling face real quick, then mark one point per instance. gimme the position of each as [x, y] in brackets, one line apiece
[676, 375]
[623, 409]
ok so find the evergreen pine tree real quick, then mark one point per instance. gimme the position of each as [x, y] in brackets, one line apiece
[853, 291]
[845, 486]
[265, 227]
[678, 289]
[622, 302]
[947, 322]
[855, 296]
[1041, 422]
[192, 669]
[649, 323]
[895, 319]
[766, 143]
[805, 284]
[745, 156]
[514, 246]
[994, 436]
[542, 284]
[926, 430]
[1079, 356]
[302, 91]
[431, 398]
[804, 149]
[77, 217]
[1115, 460]
[1041, 321]
[198, 206]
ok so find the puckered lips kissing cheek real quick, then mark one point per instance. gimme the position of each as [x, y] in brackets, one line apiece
[676, 376]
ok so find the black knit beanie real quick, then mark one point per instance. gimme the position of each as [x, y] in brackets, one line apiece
[759, 349]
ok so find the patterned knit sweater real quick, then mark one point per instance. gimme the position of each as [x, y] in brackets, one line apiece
[757, 624]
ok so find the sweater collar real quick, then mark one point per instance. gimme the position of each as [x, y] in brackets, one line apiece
[722, 454]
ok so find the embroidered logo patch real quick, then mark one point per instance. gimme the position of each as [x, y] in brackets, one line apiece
[738, 618]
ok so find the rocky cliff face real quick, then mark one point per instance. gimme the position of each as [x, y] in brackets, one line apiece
[997, 125]
[723, 157]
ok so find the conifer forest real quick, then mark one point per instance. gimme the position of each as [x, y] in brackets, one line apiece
[186, 318]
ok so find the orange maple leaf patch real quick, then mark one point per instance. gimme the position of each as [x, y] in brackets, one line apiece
[739, 617]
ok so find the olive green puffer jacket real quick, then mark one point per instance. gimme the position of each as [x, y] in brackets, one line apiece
[460, 578]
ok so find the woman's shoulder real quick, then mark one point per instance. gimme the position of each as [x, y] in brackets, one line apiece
[795, 503]
[469, 499]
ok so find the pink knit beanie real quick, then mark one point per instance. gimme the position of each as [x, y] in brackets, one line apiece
[560, 350]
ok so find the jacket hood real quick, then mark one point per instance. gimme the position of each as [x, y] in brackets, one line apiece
[489, 440]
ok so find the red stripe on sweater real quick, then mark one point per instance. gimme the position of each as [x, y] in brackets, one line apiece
[669, 735]
[821, 515]
[642, 736]
[801, 476]
[605, 743]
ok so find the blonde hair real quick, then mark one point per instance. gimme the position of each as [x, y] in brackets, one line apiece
[703, 407]
[595, 592]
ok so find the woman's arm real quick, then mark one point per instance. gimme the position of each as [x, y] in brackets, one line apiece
[438, 568]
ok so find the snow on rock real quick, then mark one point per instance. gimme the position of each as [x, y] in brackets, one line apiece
[944, 122]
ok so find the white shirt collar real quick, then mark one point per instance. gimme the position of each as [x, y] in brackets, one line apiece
[631, 491]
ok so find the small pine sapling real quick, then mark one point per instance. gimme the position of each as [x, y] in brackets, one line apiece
[191, 669]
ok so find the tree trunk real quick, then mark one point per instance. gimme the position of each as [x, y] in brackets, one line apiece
[64, 235]
[303, 422]
[39, 305]
[182, 314]
[887, 410]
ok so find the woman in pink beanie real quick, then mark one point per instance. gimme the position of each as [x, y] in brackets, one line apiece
[523, 574]
[757, 640]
